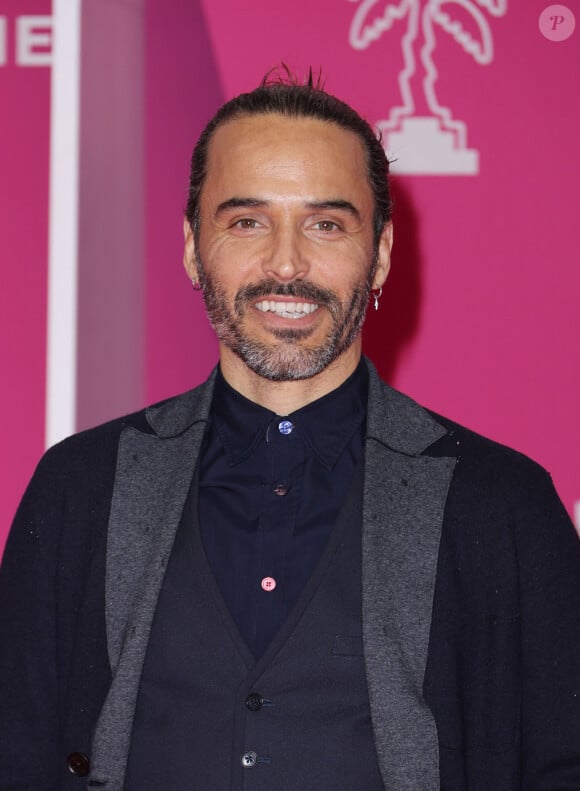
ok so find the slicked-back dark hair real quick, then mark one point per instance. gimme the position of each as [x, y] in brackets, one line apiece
[283, 94]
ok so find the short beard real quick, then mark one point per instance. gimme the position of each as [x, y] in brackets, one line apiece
[291, 359]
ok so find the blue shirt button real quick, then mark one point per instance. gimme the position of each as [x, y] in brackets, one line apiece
[285, 427]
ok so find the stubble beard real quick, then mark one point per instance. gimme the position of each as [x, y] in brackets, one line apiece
[290, 359]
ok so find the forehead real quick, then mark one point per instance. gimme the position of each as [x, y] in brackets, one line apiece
[294, 156]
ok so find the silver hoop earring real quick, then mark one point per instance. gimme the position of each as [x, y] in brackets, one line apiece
[377, 296]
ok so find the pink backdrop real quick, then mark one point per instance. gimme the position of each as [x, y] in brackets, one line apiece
[24, 141]
[479, 320]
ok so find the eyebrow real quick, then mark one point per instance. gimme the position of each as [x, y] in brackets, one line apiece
[341, 205]
[237, 203]
[253, 203]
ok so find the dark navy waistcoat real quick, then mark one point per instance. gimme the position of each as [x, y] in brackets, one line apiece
[209, 717]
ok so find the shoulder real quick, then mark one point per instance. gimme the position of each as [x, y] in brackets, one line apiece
[408, 427]
[495, 487]
[487, 474]
[92, 451]
[478, 452]
[84, 464]
[97, 446]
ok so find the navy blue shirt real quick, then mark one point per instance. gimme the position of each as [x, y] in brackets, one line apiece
[270, 489]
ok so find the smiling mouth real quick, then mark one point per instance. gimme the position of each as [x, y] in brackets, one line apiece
[287, 310]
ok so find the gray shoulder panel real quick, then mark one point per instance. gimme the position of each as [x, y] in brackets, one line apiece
[402, 517]
[404, 501]
[153, 478]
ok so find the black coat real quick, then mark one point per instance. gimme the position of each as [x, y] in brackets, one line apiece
[487, 635]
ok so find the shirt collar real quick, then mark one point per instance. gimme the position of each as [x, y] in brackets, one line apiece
[327, 423]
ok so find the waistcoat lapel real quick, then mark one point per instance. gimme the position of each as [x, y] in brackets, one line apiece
[154, 472]
[404, 500]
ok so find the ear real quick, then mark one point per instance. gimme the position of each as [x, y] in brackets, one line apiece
[189, 261]
[384, 256]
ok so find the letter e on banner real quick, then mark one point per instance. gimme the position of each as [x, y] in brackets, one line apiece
[34, 41]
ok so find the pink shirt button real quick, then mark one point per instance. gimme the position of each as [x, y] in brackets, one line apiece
[268, 584]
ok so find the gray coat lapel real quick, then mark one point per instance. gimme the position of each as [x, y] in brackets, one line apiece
[403, 510]
[404, 500]
[154, 473]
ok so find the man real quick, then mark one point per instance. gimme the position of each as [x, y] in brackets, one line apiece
[292, 577]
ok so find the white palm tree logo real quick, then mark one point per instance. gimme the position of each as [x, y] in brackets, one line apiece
[435, 143]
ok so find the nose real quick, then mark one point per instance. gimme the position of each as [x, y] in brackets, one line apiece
[285, 260]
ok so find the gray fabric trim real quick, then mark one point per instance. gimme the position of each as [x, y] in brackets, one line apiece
[397, 421]
[176, 415]
[404, 501]
[153, 478]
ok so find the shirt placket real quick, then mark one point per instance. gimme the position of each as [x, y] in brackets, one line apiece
[282, 484]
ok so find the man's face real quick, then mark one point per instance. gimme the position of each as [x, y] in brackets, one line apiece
[285, 247]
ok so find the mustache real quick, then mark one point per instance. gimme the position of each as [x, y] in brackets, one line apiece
[301, 289]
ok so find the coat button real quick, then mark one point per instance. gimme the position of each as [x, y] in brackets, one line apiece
[254, 701]
[78, 764]
[249, 759]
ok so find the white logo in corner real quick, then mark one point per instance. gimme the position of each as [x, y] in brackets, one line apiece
[436, 143]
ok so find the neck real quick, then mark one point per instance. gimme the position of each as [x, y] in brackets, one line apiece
[283, 398]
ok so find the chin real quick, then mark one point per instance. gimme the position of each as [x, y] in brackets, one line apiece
[286, 362]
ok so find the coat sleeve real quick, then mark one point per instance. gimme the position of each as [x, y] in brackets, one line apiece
[549, 567]
[29, 728]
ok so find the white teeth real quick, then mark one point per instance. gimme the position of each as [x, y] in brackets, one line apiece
[288, 310]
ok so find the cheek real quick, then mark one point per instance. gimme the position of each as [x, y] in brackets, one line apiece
[345, 276]
[229, 263]
[352, 257]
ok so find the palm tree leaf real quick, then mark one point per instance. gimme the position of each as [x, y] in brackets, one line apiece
[367, 28]
[494, 7]
[480, 47]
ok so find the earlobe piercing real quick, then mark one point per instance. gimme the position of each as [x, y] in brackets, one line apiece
[196, 284]
[377, 296]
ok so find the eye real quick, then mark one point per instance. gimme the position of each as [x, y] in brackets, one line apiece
[326, 225]
[246, 224]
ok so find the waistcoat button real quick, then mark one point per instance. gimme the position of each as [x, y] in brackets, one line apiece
[78, 764]
[249, 759]
[254, 701]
